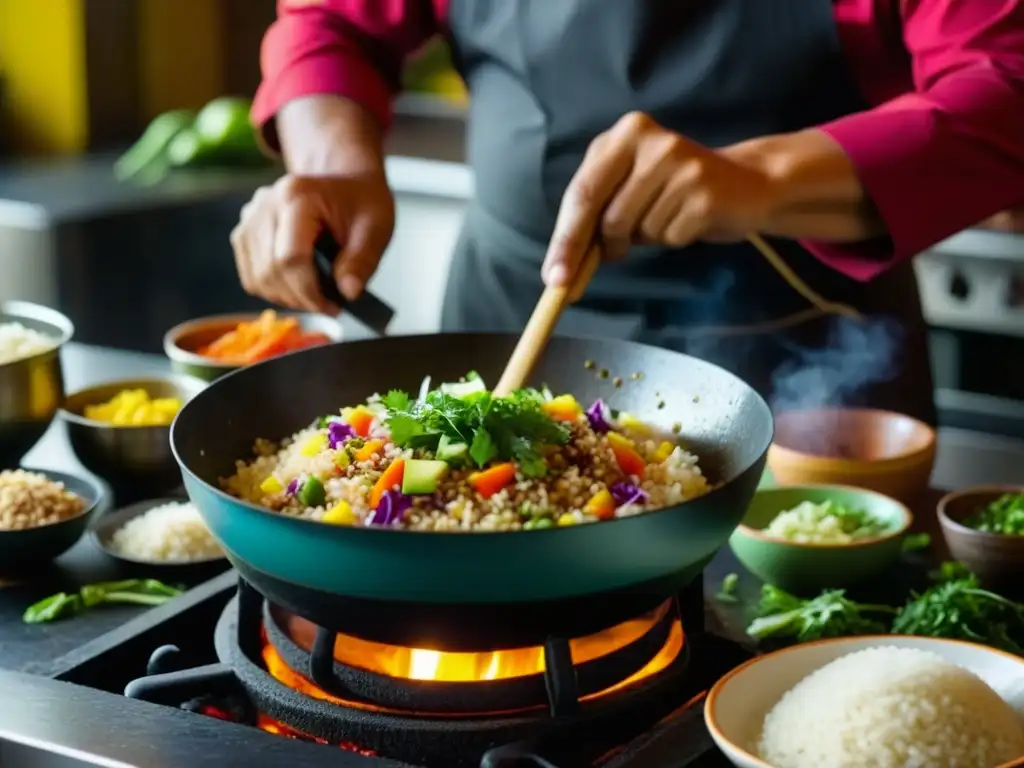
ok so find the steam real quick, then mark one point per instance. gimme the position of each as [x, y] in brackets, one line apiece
[856, 355]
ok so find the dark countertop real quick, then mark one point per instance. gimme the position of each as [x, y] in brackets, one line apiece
[36, 648]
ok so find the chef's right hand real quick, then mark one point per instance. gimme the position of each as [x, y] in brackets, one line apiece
[274, 239]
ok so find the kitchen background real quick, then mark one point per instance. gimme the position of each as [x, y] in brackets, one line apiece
[80, 80]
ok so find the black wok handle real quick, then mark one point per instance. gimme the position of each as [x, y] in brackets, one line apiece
[368, 309]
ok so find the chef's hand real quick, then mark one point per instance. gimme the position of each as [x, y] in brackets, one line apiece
[640, 182]
[273, 242]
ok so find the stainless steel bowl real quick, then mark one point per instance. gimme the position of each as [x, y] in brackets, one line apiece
[31, 388]
[131, 459]
[182, 342]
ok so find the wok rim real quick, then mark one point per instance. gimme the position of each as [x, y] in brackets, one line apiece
[374, 530]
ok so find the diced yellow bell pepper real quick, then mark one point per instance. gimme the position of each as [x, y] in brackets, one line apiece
[342, 459]
[631, 423]
[340, 514]
[618, 440]
[315, 444]
[662, 452]
[563, 408]
[567, 518]
[601, 505]
[271, 485]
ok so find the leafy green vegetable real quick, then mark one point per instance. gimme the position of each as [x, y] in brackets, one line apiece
[951, 570]
[960, 609]
[1005, 516]
[727, 592]
[512, 428]
[915, 542]
[830, 614]
[133, 591]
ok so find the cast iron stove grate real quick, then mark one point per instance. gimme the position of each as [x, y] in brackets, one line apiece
[632, 706]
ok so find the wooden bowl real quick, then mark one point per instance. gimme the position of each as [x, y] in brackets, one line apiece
[998, 560]
[882, 451]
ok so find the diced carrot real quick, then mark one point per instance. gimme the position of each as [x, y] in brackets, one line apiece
[491, 480]
[389, 478]
[601, 505]
[369, 448]
[271, 338]
[626, 455]
[563, 408]
[360, 420]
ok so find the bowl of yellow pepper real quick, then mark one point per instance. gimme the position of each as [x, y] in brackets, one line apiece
[120, 430]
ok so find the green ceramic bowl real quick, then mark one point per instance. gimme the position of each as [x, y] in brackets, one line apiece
[809, 568]
[182, 341]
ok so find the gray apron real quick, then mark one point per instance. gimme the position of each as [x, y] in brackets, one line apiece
[547, 76]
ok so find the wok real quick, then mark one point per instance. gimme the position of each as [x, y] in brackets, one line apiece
[472, 589]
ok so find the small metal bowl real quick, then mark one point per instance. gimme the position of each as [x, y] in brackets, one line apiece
[183, 342]
[34, 546]
[102, 531]
[131, 459]
[32, 387]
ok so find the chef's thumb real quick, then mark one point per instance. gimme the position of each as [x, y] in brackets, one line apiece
[360, 253]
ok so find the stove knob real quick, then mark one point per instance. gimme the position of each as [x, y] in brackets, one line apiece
[163, 660]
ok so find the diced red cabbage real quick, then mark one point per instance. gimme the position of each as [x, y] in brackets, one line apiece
[293, 487]
[627, 493]
[391, 507]
[600, 417]
[338, 432]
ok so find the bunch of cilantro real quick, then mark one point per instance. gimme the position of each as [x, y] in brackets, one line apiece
[513, 428]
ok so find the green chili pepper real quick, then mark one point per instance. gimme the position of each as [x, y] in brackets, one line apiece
[129, 591]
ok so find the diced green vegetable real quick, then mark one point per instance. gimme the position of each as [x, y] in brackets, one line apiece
[422, 475]
[825, 522]
[727, 592]
[312, 493]
[130, 591]
[1005, 516]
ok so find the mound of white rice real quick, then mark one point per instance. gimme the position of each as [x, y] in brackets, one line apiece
[891, 708]
[167, 533]
[17, 342]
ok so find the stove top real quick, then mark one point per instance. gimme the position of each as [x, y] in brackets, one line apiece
[223, 678]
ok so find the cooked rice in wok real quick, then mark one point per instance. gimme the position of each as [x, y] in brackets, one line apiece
[458, 459]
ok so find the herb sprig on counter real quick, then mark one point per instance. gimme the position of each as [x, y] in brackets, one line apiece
[1005, 516]
[512, 428]
[830, 614]
[130, 591]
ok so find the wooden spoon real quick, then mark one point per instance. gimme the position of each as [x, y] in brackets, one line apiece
[542, 324]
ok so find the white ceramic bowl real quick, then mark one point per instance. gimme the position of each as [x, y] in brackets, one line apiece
[737, 704]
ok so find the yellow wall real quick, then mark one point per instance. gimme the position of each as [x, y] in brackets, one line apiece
[42, 62]
[180, 54]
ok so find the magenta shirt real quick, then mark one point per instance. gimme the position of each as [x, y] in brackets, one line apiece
[941, 149]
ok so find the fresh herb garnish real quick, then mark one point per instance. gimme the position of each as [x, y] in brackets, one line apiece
[1005, 516]
[131, 591]
[512, 428]
[727, 592]
[960, 609]
[830, 614]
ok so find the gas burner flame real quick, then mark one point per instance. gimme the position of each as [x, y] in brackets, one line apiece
[424, 664]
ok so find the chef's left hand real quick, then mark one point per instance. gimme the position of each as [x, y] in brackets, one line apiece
[640, 182]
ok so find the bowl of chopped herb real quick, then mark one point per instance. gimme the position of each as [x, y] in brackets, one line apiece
[812, 537]
[984, 529]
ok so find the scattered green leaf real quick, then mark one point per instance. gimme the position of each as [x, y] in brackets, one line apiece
[727, 592]
[133, 591]
[916, 542]
[830, 614]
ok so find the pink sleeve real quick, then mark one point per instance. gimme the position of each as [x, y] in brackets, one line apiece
[944, 158]
[352, 48]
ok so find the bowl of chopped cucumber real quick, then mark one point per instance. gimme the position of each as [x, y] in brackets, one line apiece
[812, 537]
[984, 529]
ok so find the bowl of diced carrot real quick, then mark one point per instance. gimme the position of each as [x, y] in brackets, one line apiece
[213, 346]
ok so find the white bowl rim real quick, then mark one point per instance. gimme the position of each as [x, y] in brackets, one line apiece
[710, 719]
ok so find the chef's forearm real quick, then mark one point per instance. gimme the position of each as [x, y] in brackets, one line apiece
[816, 190]
[329, 135]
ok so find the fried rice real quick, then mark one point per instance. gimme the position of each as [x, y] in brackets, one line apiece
[602, 466]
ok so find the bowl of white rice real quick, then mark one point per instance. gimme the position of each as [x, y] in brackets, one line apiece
[159, 535]
[31, 378]
[872, 702]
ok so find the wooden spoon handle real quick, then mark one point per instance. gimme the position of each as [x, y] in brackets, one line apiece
[542, 324]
